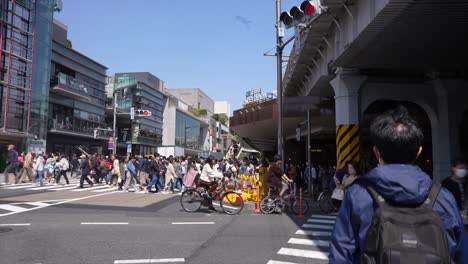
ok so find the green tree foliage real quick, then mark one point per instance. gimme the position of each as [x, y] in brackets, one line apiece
[69, 44]
[199, 112]
[222, 118]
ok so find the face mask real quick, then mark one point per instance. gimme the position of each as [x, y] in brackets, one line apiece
[460, 173]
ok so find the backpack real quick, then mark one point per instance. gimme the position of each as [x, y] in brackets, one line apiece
[399, 234]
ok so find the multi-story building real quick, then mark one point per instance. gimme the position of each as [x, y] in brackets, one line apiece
[25, 55]
[77, 98]
[183, 132]
[142, 91]
[195, 98]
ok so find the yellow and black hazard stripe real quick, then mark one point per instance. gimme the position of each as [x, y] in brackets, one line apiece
[347, 144]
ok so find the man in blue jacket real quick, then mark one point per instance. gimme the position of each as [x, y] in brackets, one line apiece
[397, 144]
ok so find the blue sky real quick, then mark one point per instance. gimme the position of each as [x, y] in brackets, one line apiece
[214, 45]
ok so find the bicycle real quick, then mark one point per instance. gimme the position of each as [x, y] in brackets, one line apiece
[326, 203]
[193, 199]
[272, 203]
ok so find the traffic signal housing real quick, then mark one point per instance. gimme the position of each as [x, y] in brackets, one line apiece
[142, 112]
[299, 14]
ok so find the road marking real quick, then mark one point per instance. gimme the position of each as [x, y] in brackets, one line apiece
[226, 206]
[15, 187]
[25, 224]
[35, 203]
[50, 187]
[104, 190]
[321, 221]
[63, 189]
[142, 261]
[193, 223]
[88, 189]
[303, 253]
[327, 227]
[324, 216]
[279, 262]
[62, 202]
[312, 233]
[44, 188]
[309, 242]
[104, 223]
[13, 208]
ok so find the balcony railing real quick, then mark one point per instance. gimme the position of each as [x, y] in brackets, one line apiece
[124, 81]
[77, 127]
[69, 86]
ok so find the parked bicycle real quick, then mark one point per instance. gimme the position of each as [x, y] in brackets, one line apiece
[272, 203]
[194, 198]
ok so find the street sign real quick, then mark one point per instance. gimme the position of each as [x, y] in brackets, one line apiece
[298, 134]
[110, 143]
[129, 148]
[132, 113]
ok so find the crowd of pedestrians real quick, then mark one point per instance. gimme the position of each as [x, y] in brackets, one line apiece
[128, 173]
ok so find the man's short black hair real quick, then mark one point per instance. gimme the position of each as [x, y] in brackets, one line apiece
[276, 158]
[397, 136]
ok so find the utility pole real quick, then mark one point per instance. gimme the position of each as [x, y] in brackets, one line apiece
[114, 150]
[308, 138]
[279, 65]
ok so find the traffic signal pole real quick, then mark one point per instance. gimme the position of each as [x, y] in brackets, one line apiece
[279, 66]
[114, 125]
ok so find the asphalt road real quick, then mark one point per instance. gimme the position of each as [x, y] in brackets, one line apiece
[110, 227]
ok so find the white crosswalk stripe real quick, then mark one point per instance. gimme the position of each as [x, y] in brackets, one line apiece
[313, 248]
[324, 216]
[73, 187]
[326, 227]
[90, 188]
[312, 233]
[311, 254]
[321, 221]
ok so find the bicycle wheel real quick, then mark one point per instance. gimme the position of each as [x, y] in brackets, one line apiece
[232, 203]
[267, 205]
[191, 200]
[325, 202]
[295, 207]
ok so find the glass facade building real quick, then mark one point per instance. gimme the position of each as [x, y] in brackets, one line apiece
[77, 99]
[25, 39]
[188, 132]
[140, 90]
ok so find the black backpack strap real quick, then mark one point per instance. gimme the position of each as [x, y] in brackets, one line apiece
[378, 199]
[432, 197]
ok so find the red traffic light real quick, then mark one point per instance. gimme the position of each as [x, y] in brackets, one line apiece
[143, 112]
[298, 14]
[307, 8]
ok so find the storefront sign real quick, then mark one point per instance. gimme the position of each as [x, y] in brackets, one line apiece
[129, 148]
[110, 144]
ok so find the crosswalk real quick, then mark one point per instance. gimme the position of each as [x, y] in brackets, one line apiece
[12, 208]
[310, 243]
[72, 187]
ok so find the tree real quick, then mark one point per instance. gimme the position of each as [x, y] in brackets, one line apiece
[69, 44]
[199, 112]
[222, 118]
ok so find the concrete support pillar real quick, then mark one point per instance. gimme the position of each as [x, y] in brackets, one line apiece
[446, 130]
[346, 86]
